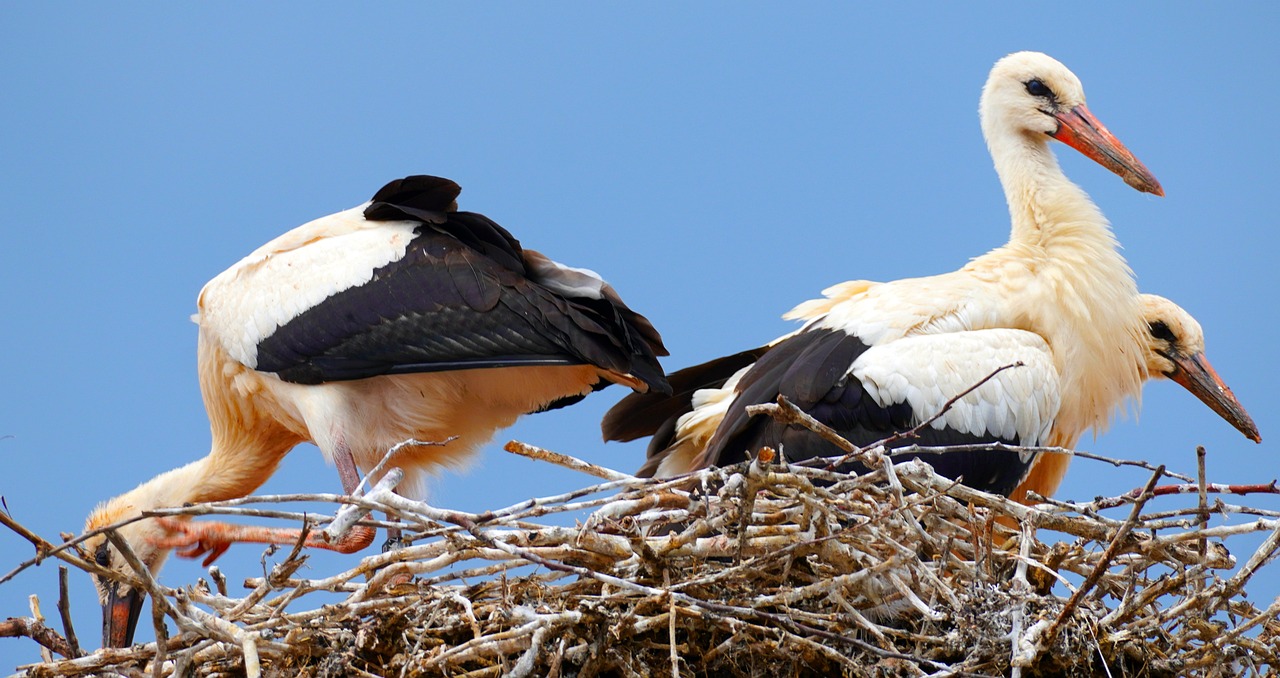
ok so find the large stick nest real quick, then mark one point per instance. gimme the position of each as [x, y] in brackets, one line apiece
[760, 569]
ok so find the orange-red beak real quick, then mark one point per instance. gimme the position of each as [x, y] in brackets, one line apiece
[1078, 129]
[1195, 374]
[120, 616]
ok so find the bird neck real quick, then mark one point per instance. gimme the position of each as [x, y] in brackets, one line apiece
[1073, 286]
[247, 442]
[1045, 208]
[169, 489]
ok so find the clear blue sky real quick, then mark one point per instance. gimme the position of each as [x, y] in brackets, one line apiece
[717, 164]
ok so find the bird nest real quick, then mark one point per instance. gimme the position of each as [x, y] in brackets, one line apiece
[757, 569]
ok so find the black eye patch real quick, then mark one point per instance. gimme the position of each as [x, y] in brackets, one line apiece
[102, 556]
[1160, 330]
[1038, 89]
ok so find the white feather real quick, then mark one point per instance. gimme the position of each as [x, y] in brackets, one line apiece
[295, 272]
[908, 371]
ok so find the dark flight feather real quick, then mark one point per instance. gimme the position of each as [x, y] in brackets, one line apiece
[463, 296]
[811, 370]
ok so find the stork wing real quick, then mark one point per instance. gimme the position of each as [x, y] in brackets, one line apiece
[869, 393]
[655, 414]
[462, 295]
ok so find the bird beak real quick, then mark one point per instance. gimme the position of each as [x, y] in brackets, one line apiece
[1078, 129]
[120, 617]
[1195, 374]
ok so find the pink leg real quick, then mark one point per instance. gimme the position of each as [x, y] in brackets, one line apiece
[212, 539]
[347, 472]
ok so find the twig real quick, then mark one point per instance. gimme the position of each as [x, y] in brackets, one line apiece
[946, 407]
[674, 655]
[34, 602]
[376, 471]
[64, 611]
[1191, 488]
[571, 463]
[1002, 447]
[37, 631]
[44, 549]
[1104, 562]
[785, 412]
[350, 514]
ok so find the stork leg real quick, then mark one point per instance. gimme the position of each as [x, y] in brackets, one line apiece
[212, 539]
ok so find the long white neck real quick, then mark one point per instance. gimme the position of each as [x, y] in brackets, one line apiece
[1067, 281]
[171, 488]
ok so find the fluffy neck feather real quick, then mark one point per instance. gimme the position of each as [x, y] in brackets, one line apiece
[1063, 256]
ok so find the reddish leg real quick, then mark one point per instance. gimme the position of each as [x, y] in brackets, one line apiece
[212, 539]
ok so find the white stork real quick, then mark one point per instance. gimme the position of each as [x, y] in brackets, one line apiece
[878, 358]
[400, 318]
[683, 422]
[1175, 351]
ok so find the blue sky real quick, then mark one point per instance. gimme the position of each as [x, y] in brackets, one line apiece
[717, 164]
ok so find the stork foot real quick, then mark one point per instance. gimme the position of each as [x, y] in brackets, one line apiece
[193, 540]
[212, 539]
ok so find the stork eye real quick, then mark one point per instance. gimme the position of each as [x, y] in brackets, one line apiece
[102, 556]
[1038, 89]
[1160, 330]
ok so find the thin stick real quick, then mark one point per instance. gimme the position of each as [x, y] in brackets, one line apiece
[37, 631]
[1202, 489]
[674, 655]
[1002, 447]
[915, 430]
[34, 602]
[351, 514]
[64, 611]
[386, 458]
[1104, 562]
[572, 463]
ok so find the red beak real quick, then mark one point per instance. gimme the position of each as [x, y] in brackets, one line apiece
[1078, 129]
[120, 616]
[1195, 374]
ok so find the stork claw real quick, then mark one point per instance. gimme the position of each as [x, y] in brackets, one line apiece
[194, 539]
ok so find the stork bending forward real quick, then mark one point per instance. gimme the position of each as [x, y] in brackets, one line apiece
[400, 318]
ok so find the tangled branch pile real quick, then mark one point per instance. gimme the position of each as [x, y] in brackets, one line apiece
[744, 571]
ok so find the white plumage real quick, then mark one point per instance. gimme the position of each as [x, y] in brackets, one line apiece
[399, 319]
[874, 359]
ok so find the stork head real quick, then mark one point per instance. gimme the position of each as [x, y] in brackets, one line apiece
[1030, 95]
[1175, 350]
[121, 603]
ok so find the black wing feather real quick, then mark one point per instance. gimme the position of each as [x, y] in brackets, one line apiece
[461, 297]
[811, 369]
[646, 414]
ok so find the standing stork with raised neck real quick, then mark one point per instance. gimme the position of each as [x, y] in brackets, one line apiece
[874, 359]
[681, 423]
[399, 319]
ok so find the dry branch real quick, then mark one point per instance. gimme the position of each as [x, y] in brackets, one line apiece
[760, 569]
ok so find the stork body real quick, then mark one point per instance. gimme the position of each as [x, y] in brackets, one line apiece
[682, 424]
[874, 359]
[398, 319]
